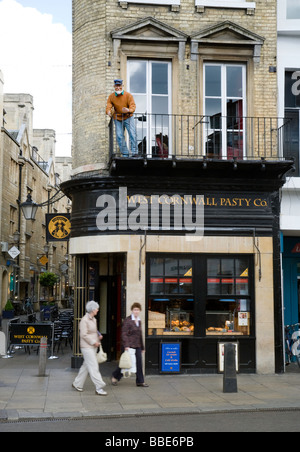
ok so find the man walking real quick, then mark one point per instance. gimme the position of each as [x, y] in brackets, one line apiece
[121, 106]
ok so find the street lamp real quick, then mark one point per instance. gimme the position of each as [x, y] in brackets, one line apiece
[29, 208]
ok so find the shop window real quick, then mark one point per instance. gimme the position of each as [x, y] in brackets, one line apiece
[171, 299]
[228, 303]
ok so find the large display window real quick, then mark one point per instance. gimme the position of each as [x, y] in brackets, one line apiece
[200, 296]
[228, 302]
[171, 299]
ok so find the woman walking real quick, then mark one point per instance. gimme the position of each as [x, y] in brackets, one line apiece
[89, 342]
[132, 337]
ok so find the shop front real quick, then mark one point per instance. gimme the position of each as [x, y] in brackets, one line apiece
[202, 258]
[200, 300]
[291, 279]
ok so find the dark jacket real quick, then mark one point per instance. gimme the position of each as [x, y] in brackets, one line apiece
[132, 335]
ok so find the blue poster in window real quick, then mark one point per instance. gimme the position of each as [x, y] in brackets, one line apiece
[170, 357]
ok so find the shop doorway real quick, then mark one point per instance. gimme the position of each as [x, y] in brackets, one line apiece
[107, 287]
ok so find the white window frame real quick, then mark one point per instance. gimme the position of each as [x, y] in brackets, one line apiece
[152, 2]
[284, 24]
[224, 103]
[238, 4]
[149, 96]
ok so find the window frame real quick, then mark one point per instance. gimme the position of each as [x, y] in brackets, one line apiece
[200, 292]
[149, 97]
[224, 102]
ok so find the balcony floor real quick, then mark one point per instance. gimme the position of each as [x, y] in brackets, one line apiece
[204, 167]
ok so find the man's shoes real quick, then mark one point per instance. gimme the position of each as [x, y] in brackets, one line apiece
[142, 385]
[77, 389]
[101, 392]
[114, 381]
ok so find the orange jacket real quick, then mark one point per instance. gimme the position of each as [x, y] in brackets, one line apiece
[116, 103]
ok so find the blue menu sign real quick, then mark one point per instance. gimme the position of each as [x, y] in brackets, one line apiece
[170, 357]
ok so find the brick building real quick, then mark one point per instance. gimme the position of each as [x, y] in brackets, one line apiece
[203, 76]
[23, 171]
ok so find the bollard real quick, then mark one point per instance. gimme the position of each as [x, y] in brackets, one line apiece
[229, 377]
[43, 357]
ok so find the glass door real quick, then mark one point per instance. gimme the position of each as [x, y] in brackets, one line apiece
[150, 84]
[224, 110]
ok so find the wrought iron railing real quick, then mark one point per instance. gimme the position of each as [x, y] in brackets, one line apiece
[163, 136]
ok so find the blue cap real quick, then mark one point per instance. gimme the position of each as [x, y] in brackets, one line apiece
[118, 82]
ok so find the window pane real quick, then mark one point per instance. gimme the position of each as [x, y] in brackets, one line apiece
[160, 105]
[138, 78]
[235, 144]
[157, 286]
[213, 108]
[168, 317]
[213, 267]
[159, 78]
[185, 267]
[141, 107]
[293, 9]
[213, 81]
[227, 268]
[242, 267]
[228, 317]
[234, 81]
[157, 267]
[171, 267]
[235, 118]
[186, 286]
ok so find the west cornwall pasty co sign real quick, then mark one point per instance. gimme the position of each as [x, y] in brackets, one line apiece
[120, 211]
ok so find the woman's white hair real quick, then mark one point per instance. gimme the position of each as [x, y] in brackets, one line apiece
[91, 306]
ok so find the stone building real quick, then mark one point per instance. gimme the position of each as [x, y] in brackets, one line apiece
[190, 227]
[23, 171]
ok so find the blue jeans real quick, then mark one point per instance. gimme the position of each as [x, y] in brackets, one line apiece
[129, 125]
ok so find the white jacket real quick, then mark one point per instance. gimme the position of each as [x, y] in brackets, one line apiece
[89, 335]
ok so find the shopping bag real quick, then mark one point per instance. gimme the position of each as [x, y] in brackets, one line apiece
[101, 356]
[125, 361]
[127, 372]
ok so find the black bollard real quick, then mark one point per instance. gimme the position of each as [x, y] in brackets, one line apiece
[229, 378]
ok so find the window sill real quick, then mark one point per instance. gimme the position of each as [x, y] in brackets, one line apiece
[250, 6]
[173, 3]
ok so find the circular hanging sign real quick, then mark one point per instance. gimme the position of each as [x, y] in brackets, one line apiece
[59, 227]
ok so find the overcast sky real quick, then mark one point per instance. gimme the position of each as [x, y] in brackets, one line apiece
[36, 59]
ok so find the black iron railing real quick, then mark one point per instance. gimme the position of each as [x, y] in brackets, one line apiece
[162, 136]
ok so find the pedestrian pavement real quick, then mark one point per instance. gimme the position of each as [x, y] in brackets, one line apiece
[25, 396]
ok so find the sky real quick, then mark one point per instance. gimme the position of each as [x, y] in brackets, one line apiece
[36, 59]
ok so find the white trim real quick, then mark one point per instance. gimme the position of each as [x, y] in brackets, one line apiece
[239, 4]
[152, 2]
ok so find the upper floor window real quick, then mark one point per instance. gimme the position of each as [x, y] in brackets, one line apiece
[288, 12]
[225, 109]
[293, 9]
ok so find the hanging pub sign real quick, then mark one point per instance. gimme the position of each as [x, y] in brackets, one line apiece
[58, 227]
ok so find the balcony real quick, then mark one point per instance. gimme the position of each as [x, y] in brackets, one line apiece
[174, 141]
